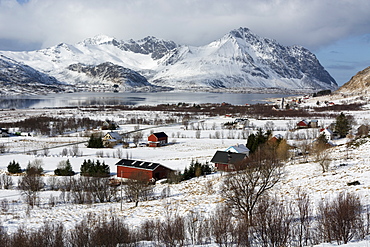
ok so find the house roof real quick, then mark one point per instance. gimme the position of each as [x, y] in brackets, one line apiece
[303, 123]
[139, 164]
[239, 148]
[115, 135]
[160, 134]
[223, 157]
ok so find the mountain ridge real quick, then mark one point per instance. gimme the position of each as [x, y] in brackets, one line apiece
[238, 60]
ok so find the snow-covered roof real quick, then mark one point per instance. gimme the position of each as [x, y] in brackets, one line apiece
[114, 135]
[239, 148]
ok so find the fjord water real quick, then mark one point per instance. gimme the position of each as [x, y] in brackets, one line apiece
[129, 98]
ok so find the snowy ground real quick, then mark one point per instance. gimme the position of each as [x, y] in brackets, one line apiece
[199, 194]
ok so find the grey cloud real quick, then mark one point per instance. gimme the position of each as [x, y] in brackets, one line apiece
[313, 23]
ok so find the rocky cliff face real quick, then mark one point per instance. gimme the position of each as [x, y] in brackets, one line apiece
[239, 60]
[112, 73]
[358, 85]
[18, 78]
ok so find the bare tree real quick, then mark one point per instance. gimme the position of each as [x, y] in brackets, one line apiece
[305, 147]
[75, 151]
[196, 226]
[136, 137]
[244, 188]
[222, 227]
[340, 219]
[138, 188]
[5, 181]
[197, 134]
[31, 184]
[172, 229]
[272, 222]
[322, 156]
[304, 212]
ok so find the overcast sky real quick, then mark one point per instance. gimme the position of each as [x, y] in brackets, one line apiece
[337, 31]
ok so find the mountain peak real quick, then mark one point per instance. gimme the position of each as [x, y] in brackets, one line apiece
[98, 40]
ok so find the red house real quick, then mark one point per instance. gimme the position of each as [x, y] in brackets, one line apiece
[157, 139]
[136, 169]
[226, 161]
[302, 124]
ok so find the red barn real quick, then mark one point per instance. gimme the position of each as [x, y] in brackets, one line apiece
[226, 161]
[157, 139]
[136, 169]
[302, 124]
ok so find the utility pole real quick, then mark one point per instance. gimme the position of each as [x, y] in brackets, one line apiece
[121, 191]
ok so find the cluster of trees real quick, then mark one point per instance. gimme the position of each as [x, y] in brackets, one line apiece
[94, 168]
[42, 124]
[14, 167]
[255, 140]
[196, 169]
[95, 141]
[64, 169]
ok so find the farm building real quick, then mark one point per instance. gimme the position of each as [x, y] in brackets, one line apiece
[157, 139]
[226, 161]
[111, 139]
[136, 169]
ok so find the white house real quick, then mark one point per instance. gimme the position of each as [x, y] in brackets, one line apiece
[328, 133]
[238, 148]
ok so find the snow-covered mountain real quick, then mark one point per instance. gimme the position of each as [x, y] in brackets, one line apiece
[358, 85]
[239, 60]
[18, 78]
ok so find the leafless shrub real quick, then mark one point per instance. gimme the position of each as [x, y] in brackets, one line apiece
[75, 151]
[64, 152]
[113, 232]
[222, 226]
[80, 190]
[302, 227]
[31, 184]
[148, 230]
[53, 183]
[52, 201]
[46, 151]
[4, 206]
[197, 134]
[340, 219]
[119, 153]
[99, 154]
[3, 148]
[6, 181]
[171, 231]
[197, 228]
[101, 190]
[272, 222]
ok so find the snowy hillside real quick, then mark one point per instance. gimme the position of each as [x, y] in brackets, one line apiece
[240, 59]
[358, 85]
[19, 78]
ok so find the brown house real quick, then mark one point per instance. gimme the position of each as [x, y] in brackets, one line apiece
[136, 169]
[157, 139]
[227, 161]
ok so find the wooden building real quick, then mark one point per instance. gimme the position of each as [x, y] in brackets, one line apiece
[136, 169]
[227, 161]
[157, 139]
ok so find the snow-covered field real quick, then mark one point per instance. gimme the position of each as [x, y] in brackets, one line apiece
[196, 195]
